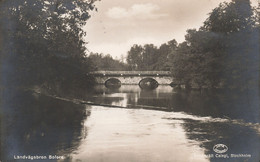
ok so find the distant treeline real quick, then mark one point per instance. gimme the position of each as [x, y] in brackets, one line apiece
[149, 57]
[223, 52]
[106, 62]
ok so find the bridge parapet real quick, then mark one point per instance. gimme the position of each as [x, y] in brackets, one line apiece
[132, 77]
[131, 73]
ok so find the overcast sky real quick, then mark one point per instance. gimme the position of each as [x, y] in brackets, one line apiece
[119, 24]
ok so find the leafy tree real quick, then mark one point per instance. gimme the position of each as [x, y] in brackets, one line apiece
[237, 22]
[223, 52]
[134, 57]
[197, 59]
[106, 62]
[44, 42]
[231, 17]
[149, 57]
[165, 54]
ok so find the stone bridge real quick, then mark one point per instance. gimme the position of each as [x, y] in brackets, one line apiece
[133, 77]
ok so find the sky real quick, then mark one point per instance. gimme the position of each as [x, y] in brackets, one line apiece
[119, 24]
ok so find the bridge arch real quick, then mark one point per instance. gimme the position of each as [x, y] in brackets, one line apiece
[148, 83]
[113, 83]
[133, 77]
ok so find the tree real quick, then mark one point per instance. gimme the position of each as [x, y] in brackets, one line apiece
[165, 52]
[149, 57]
[44, 42]
[134, 57]
[231, 17]
[106, 62]
[195, 60]
[217, 54]
[237, 22]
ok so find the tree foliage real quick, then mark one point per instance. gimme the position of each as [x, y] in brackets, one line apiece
[150, 57]
[106, 62]
[44, 42]
[235, 16]
[224, 52]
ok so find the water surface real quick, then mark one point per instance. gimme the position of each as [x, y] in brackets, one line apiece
[141, 125]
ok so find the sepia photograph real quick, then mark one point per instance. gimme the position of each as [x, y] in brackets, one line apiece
[129, 81]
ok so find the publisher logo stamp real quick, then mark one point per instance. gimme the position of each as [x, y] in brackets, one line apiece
[221, 153]
[220, 148]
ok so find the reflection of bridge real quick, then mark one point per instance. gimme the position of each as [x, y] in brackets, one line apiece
[133, 77]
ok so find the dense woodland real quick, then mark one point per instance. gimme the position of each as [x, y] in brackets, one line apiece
[223, 52]
[42, 44]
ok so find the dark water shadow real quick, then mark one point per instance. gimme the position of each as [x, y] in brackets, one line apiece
[220, 104]
[217, 104]
[239, 139]
[38, 125]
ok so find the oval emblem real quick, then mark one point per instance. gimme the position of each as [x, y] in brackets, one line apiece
[220, 148]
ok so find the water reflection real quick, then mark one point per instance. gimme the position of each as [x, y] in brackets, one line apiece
[223, 104]
[205, 118]
[190, 124]
[136, 135]
[37, 125]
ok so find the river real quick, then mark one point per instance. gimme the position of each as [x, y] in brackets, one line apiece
[130, 125]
